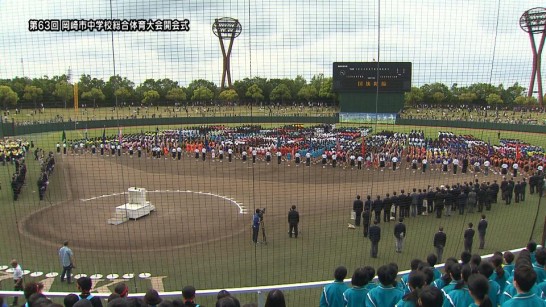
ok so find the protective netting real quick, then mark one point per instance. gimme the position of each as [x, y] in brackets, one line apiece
[158, 167]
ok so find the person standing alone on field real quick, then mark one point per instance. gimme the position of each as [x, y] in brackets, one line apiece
[17, 279]
[293, 220]
[482, 227]
[439, 243]
[374, 233]
[400, 235]
[469, 238]
[66, 256]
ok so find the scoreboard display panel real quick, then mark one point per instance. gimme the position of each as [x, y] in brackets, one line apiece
[394, 77]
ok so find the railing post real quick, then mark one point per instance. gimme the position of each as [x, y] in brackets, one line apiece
[261, 301]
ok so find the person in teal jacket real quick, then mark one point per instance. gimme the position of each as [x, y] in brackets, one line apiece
[524, 280]
[460, 296]
[385, 295]
[416, 281]
[332, 294]
[356, 296]
[478, 286]
[455, 271]
[486, 269]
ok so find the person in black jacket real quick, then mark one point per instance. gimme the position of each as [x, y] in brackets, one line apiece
[293, 220]
[358, 207]
[439, 242]
[377, 206]
[400, 235]
[375, 237]
[469, 238]
[482, 228]
[366, 217]
[387, 205]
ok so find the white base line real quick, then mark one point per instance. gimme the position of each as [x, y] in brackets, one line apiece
[231, 200]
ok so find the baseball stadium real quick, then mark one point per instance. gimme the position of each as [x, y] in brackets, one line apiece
[284, 153]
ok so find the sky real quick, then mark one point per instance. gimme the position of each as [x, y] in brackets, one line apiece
[457, 41]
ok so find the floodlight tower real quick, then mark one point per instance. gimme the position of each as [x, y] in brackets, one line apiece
[226, 28]
[533, 22]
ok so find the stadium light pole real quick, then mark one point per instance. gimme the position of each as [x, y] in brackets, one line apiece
[226, 28]
[533, 21]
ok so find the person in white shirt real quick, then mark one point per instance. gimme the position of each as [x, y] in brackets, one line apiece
[230, 154]
[213, 154]
[179, 152]
[486, 165]
[352, 158]
[394, 161]
[203, 153]
[268, 156]
[279, 157]
[515, 167]
[297, 156]
[359, 162]
[324, 159]
[424, 166]
[244, 154]
[455, 166]
[17, 279]
[308, 159]
[334, 159]
[196, 151]
[504, 169]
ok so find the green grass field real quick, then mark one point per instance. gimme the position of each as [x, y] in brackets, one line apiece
[325, 242]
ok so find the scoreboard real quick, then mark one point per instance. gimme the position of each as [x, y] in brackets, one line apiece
[394, 77]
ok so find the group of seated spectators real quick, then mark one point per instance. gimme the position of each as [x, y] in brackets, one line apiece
[469, 281]
[475, 114]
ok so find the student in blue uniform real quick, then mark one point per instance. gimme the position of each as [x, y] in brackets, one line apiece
[460, 296]
[416, 281]
[524, 280]
[486, 269]
[385, 294]
[478, 286]
[356, 296]
[332, 294]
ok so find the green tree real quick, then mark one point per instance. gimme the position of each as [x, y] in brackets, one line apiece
[414, 97]
[520, 100]
[281, 92]
[317, 81]
[194, 85]
[65, 91]
[87, 83]
[32, 93]
[297, 85]
[510, 94]
[255, 92]
[115, 83]
[467, 98]
[438, 97]
[494, 99]
[308, 93]
[176, 94]
[326, 91]
[93, 95]
[202, 94]
[228, 95]
[150, 97]
[429, 90]
[123, 94]
[482, 91]
[8, 96]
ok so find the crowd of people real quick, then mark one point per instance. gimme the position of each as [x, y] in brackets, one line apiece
[502, 280]
[323, 145]
[475, 113]
[46, 169]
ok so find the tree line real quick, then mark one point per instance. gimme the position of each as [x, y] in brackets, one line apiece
[118, 91]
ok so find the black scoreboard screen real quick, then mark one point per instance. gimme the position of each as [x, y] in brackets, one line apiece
[363, 76]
